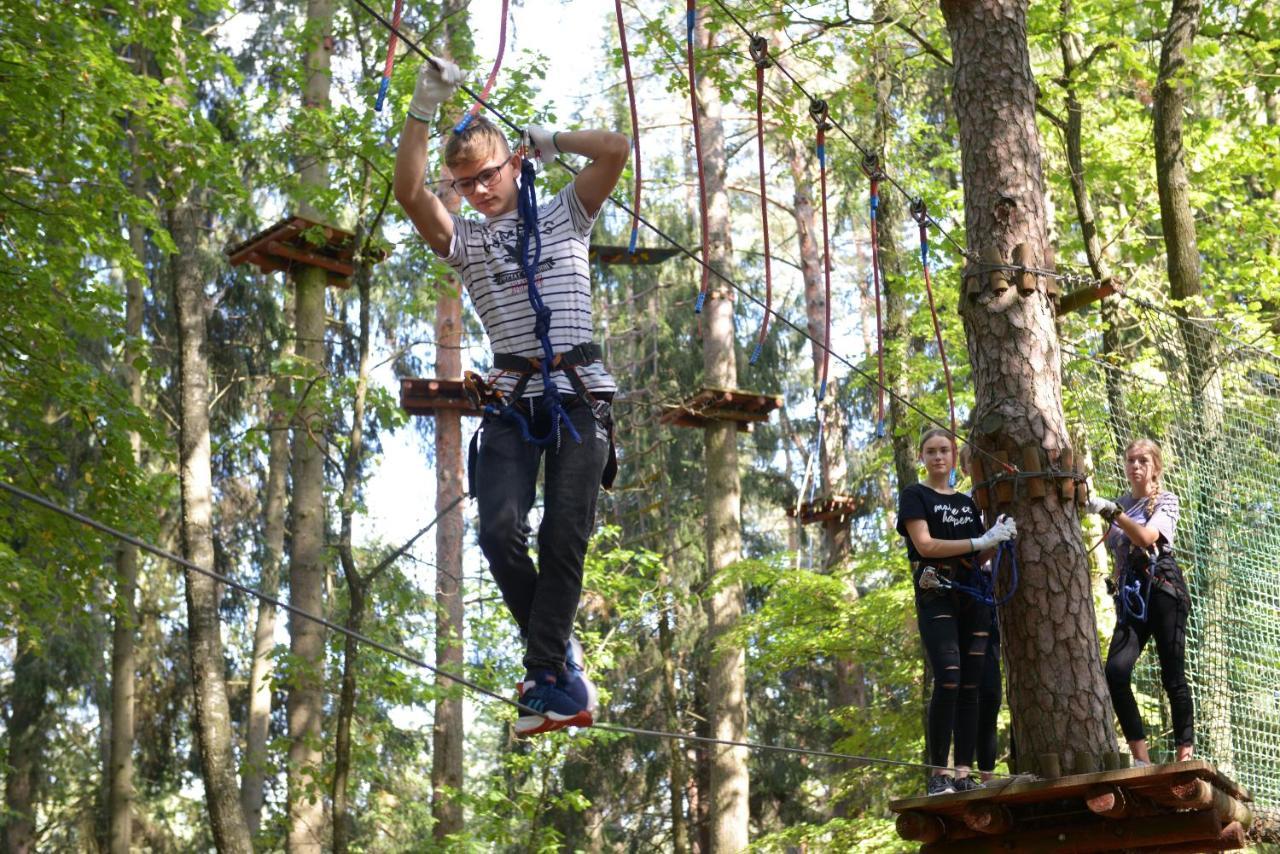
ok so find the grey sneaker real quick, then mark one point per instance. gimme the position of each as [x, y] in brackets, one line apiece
[967, 784]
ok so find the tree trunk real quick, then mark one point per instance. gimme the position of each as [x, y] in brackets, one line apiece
[27, 704]
[722, 495]
[1057, 694]
[212, 716]
[307, 561]
[253, 780]
[1177, 222]
[448, 726]
[123, 666]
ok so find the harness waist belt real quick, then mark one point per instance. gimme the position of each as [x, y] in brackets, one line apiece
[582, 354]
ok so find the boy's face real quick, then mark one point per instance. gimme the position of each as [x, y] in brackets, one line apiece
[488, 183]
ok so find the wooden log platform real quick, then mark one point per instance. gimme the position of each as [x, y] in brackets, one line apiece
[1182, 806]
[420, 396]
[710, 405]
[644, 256]
[831, 508]
[291, 242]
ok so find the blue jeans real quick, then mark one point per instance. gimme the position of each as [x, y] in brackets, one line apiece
[542, 599]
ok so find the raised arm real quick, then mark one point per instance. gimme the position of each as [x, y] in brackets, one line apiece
[427, 213]
[608, 152]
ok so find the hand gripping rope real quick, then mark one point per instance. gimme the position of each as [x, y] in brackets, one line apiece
[691, 22]
[760, 56]
[983, 589]
[921, 215]
[871, 168]
[390, 64]
[635, 128]
[818, 112]
[529, 246]
[493, 74]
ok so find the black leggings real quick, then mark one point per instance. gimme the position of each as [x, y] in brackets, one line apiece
[989, 704]
[1167, 622]
[955, 629]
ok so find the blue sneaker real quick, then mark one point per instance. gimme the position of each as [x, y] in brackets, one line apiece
[545, 707]
[576, 683]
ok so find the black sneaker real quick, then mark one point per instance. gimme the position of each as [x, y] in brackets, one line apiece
[940, 784]
[967, 784]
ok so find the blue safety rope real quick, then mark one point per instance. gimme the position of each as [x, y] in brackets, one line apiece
[984, 587]
[529, 247]
[1134, 594]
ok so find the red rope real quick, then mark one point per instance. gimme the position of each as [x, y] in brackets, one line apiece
[691, 20]
[759, 52]
[922, 219]
[493, 72]
[818, 111]
[871, 166]
[390, 64]
[635, 128]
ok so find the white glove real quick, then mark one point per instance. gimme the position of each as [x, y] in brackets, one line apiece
[542, 145]
[1104, 507]
[1005, 528]
[434, 87]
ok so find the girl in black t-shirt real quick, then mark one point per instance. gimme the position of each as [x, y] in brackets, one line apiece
[944, 532]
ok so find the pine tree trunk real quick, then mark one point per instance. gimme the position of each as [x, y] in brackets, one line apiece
[1057, 694]
[722, 496]
[123, 665]
[253, 780]
[212, 715]
[307, 567]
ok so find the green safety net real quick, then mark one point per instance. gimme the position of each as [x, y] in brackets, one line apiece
[1217, 419]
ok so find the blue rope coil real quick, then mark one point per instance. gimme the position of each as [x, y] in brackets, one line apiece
[382, 93]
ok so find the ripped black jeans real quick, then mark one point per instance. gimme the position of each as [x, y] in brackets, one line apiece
[955, 629]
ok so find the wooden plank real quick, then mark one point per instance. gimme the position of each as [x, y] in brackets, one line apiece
[1074, 786]
[1088, 837]
[333, 265]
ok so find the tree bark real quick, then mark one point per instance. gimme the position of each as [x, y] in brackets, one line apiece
[1057, 694]
[123, 665]
[212, 715]
[722, 495]
[307, 567]
[253, 780]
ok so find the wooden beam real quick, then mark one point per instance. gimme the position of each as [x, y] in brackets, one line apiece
[920, 827]
[988, 818]
[1090, 838]
[324, 262]
[1078, 299]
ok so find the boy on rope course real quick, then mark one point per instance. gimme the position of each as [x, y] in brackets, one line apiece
[1151, 597]
[946, 544]
[526, 271]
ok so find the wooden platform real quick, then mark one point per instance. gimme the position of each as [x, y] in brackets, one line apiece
[829, 509]
[711, 405]
[284, 246]
[429, 396]
[1183, 806]
[642, 257]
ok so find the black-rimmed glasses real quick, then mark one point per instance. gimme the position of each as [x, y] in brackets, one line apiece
[483, 178]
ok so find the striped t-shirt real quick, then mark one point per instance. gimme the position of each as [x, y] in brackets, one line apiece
[1162, 515]
[486, 256]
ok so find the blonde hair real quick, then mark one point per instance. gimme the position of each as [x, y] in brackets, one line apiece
[476, 142]
[1157, 459]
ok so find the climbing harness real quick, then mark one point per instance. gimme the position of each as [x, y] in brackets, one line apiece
[760, 56]
[493, 74]
[921, 215]
[818, 112]
[983, 588]
[691, 22]
[1133, 595]
[635, 128]
[389, 65]
[871, 168]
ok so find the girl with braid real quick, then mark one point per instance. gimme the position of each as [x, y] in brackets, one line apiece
[1151, 597]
